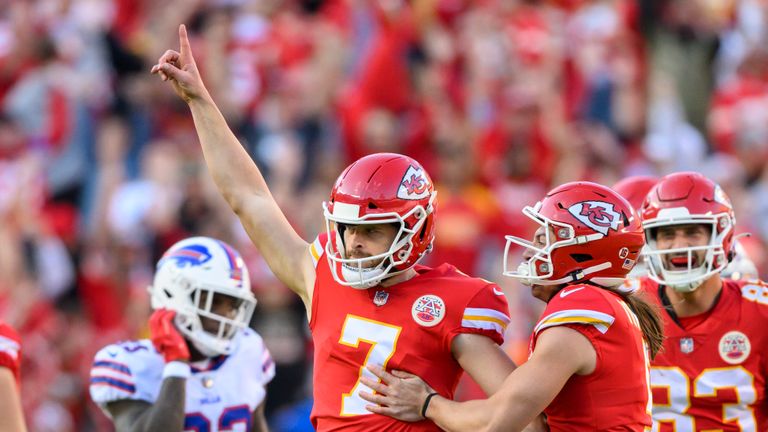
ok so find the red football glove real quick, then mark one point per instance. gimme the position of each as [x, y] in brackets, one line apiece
[10, 350]
[166, 339]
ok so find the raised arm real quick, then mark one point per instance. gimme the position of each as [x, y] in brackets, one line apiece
[11, 416]
[237, 177]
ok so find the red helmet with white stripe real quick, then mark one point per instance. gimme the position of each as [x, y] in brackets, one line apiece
[381, 188]
[591, 234]
[681, 199]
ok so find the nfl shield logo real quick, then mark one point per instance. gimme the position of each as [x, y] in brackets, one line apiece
[381, 297]
[686, 345]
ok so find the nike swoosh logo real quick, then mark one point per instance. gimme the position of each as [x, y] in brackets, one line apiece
[564, 293]
[497, 291]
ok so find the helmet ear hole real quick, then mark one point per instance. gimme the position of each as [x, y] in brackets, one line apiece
[580, 258]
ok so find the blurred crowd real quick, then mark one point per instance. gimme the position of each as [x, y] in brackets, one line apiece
[100, 168]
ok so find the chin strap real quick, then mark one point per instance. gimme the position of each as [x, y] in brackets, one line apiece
[575, 276]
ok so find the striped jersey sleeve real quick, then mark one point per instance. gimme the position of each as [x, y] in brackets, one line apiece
[125, 371]
[10, 349]
[579, 305]
[487, 313]
[317, 248]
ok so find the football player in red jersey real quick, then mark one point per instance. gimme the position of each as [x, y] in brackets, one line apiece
[711, 374]
[589, 352]
[11, 416]
[366, 299]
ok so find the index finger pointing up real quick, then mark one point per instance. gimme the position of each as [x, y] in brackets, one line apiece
[186, 50]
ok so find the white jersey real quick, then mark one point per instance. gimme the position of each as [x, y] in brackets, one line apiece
[221, 394]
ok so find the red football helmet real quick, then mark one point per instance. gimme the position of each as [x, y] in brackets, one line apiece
[591, 234]
[378, 189]
[635, 188]
[681, 199]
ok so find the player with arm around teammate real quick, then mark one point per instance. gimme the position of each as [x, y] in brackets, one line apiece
[711, 374]
[367, 300]
[203, 369]
[11, 415]
[589, 352]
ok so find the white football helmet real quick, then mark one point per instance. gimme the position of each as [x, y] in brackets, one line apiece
[187, 278]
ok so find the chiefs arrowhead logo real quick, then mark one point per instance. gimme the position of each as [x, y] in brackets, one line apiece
[598, 215]
[414, 185]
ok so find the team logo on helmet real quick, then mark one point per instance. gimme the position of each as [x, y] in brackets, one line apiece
[414, 185]
[187, 256]
[428, 310]
[598, 215]
[734, 347]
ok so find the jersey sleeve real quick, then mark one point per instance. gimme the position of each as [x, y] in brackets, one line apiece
[317, 248]
[261, 352]
[10, 349]
[125, 371]
[487, 314]
[577, 306]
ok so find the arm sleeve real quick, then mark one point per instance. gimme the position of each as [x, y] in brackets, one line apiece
[117, 374]
[317, 248]
[486, 313]
[10, 349]
[581, 306]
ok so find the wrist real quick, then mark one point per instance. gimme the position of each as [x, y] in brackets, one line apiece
[425, 405]
[177, 369]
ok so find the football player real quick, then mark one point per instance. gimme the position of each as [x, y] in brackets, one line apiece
[367, 300]
[589, 352]
[634, 189]
[11, 415]
[203, 369]
[711, 374]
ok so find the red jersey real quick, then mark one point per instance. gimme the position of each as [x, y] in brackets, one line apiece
[616, 395]
[408, 326]
[711, 373]
[10, 349]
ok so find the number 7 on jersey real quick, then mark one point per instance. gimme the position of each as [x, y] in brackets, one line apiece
[382, 338]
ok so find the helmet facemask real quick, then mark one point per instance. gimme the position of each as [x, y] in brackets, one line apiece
[367, 272]
[190, 278]
[539, 268]
[195, 305]
[691, 277]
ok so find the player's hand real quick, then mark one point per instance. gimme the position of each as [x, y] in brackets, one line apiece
[181, 70]
[166, 339]
[399, 395]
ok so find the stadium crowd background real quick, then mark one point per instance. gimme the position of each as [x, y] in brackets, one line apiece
[100, 168]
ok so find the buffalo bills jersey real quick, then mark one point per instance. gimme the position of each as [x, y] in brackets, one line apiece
[10, 349]
[408, 326]
[221, 394]
[616, 395]
[711, 373]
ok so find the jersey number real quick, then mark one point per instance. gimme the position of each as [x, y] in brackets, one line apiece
[382, 338]
[197, 422]
[677, 386]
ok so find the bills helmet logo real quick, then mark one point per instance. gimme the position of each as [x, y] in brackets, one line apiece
[414, 184]
[598, 215]
[188, 256]
[428, 310]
